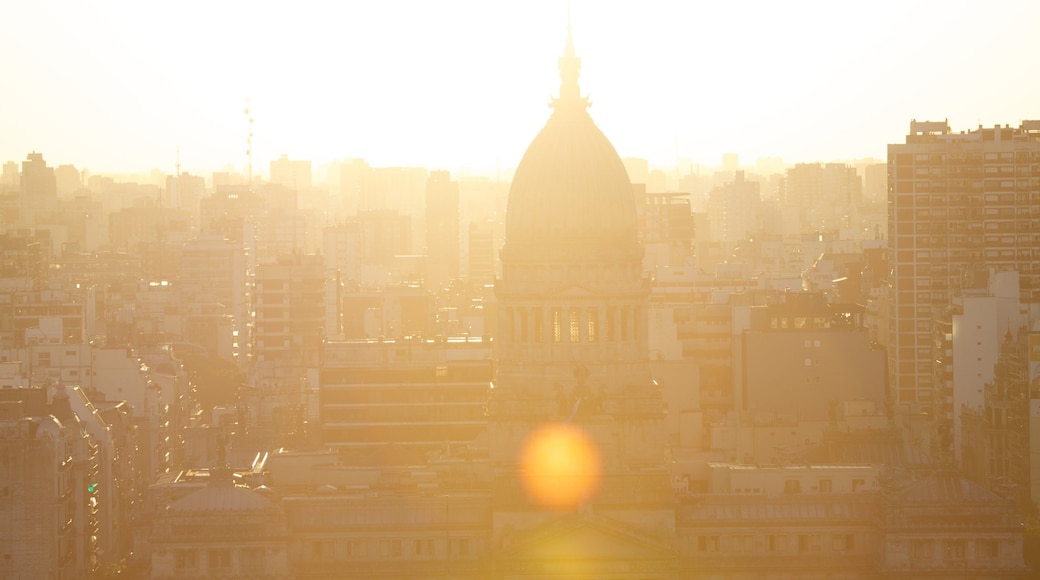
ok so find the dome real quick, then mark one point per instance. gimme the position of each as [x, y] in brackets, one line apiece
[571, 185]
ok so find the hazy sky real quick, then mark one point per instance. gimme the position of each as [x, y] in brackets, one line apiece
[121, 85]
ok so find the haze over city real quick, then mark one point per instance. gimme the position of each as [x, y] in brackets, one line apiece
[520, 291]
[120, 86]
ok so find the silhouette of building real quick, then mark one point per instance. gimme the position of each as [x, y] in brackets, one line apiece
[573, 348]
[290, 173]
[956, 202]
[481, 244]
[824, 194]
[442, 230]
[38, 188]
[732, 208]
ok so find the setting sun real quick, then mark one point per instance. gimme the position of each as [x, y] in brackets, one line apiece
[560, 467]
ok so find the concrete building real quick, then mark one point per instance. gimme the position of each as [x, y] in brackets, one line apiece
[39, 194]
[289, 302]
[442, 230]
[291, 173]
[216, 284]
[732, 209]
[383, 402]
[481, 244]
[825, 195]
[804, 356]
[956, 201]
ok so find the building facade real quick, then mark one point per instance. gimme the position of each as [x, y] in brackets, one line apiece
[957, 201]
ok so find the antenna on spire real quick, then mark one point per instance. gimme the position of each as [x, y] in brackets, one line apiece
[249, 145]
[570, 40]
[569, 65]
[178, 163]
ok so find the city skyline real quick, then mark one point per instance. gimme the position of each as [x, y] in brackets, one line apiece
[128, 89]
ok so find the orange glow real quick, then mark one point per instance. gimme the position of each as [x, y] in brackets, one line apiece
[560, 467]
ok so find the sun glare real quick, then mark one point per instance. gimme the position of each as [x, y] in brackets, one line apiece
[560, 467]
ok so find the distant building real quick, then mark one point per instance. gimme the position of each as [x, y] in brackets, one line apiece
[293, 174]
[38, 189]
[482, 247]
[289, 302]
[732, 209]
[442, 230]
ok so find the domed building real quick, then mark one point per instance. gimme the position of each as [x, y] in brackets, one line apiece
[572, 353]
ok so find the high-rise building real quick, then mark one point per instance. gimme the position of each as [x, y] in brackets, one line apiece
[481, 245]
[38, 187]
[958, 202]
[294, 174]
[732, 208]
[823, 194]
[67, 180]
[290, 310]
[442, 229]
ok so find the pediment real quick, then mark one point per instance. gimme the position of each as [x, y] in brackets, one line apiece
[586, 537]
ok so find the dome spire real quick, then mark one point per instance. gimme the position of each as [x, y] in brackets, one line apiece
[570, 65]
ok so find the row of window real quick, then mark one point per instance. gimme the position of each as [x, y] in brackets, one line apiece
[574, 324]
[932, 550]
[341, 550]
[775, 543]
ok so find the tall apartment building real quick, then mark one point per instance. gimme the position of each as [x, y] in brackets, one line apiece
[215, 282]
[824, 194]
[732, 207]
[442, 229]
[958, 202]
[292, 173]
[290, 310]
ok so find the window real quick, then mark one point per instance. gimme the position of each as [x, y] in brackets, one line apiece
[185, 559]
[825, 486]
[708, 543]
[844, 542]
[792, 486]
[575, 328]
[955, 549]
[522, 323]
[610, 322]
[987, 549]
[219, 559]
[539, 325]
[592, 334]
[625, 313]
[556, 322]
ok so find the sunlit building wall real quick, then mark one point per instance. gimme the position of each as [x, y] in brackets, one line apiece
[957, 201]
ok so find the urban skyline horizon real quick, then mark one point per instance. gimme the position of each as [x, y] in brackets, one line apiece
[461, 86]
